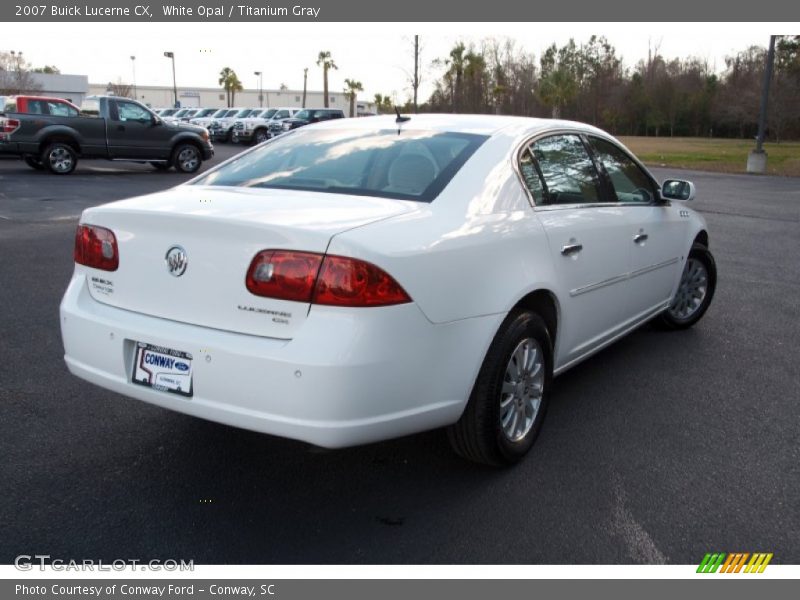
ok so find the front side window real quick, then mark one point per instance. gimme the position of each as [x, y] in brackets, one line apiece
[630, 182]
[412, 165]
[567, 169]
[128, 111]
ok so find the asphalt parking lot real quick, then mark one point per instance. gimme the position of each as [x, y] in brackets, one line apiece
[659, 449]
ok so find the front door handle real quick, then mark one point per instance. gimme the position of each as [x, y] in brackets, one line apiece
[571, 249]
[639, 237]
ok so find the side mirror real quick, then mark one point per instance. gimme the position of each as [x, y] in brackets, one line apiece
[677, 189]
[157, 120]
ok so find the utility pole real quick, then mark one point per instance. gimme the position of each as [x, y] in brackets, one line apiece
[757, 159]
[133, 65]
[174, 84]
[416, 70]
[305, 81]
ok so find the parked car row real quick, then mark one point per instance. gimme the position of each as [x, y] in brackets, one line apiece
[245, 125]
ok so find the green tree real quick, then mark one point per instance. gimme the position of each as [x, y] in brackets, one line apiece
[230, 83]
[351, 88]
[325, 61]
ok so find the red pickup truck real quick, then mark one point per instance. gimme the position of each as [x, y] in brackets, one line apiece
[38, 105]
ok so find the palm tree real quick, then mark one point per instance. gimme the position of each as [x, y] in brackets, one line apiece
[557, 89]
[325, 61]
[351, 87]
[230, 83]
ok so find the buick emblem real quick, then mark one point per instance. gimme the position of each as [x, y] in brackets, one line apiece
[176, 260]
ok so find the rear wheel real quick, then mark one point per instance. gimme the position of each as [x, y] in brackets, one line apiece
[59, 158]
[186, 158]
[33, 162]
[695, 290]
[508, 403]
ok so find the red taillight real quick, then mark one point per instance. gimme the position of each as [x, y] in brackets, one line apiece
[283, 275]
[350, 282]
[9, 125]
[96, 247]
[319, 279]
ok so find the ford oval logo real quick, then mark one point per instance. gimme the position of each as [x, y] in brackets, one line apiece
[177, 261]
[181, 366]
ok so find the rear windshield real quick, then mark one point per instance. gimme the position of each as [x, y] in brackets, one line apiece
[409, 165]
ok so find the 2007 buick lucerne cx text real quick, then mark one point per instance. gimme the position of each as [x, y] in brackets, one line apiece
[364, 279]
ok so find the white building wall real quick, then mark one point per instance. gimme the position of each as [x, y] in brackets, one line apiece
[161, 97]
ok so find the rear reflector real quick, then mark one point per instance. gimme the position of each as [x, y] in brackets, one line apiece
[96, 247]
[319, 279]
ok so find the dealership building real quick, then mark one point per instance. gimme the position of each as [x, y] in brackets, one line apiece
[76, 87]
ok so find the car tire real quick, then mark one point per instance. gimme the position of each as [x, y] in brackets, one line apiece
[59, 158]
[260, 136]
[33, 163]
[485, 433]
[161, 166]
[186, 158]
[695, 290]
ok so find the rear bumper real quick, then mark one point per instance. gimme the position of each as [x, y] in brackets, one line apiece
[347, 378]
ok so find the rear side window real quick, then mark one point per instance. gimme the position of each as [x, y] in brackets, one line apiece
[411, 165]
[630, 182]
[567, 170]
[36, 107]
[60, 109]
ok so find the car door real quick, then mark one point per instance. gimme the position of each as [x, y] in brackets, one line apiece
[588, 242]
[655, 232]
[134, 133]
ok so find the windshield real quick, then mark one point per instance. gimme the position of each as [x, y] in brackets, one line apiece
[303, 114]
[254, 114]
[220, 113]
[243, 113]
[181, 112]
[410, 165]
[269, 113]
[169, 112]
[205, 112]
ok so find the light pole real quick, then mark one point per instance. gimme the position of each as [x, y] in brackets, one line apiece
[260, 89]
[174, 84]
[305, 81]
[757, 159]
[133, 66]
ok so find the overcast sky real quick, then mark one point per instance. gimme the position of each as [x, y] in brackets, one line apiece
[380, 55]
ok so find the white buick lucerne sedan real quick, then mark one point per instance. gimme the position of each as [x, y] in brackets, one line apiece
[364, 279]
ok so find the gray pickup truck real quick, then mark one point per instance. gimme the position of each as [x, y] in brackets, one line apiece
[109, 127]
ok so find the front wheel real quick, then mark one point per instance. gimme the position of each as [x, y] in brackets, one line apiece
[695, 290]
[260, 136]
[186, 158]
[507, 406]
[60, 158]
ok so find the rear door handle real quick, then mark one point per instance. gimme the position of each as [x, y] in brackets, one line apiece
[639, 237]
[571, 249]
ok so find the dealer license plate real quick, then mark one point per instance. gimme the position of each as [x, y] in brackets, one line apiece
[163, 369]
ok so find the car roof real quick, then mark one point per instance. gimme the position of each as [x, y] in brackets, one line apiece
[479, 124]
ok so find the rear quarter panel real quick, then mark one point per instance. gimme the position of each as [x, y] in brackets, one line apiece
[475, 250]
